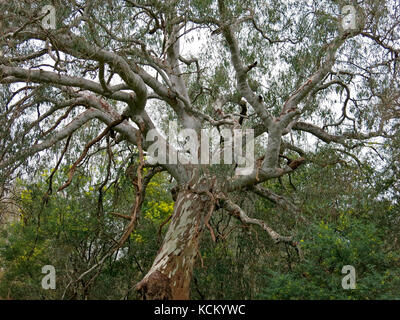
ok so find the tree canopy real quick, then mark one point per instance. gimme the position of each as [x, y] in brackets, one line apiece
[86, 86]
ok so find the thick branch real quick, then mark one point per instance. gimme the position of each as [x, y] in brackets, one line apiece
[40, 76]
[239, 213]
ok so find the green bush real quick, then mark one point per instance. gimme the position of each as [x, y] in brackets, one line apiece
[319, 274]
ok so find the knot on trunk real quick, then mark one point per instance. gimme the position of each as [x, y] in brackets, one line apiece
[155, 287]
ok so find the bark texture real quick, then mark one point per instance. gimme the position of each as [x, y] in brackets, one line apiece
[170, 275]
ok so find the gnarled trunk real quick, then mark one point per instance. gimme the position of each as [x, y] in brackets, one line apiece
[171, 272]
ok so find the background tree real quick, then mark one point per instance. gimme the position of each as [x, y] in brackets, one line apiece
[316, 95]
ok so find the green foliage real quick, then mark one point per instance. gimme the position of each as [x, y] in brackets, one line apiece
[348, 191]
[354, 242]
[70, 233]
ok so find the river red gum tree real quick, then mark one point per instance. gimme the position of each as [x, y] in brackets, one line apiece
[117, 60]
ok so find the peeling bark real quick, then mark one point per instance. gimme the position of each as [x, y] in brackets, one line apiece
[171, 272]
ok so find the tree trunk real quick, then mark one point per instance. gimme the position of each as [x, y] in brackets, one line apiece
[171, 272]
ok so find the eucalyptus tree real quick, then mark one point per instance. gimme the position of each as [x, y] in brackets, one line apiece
[326, 70]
